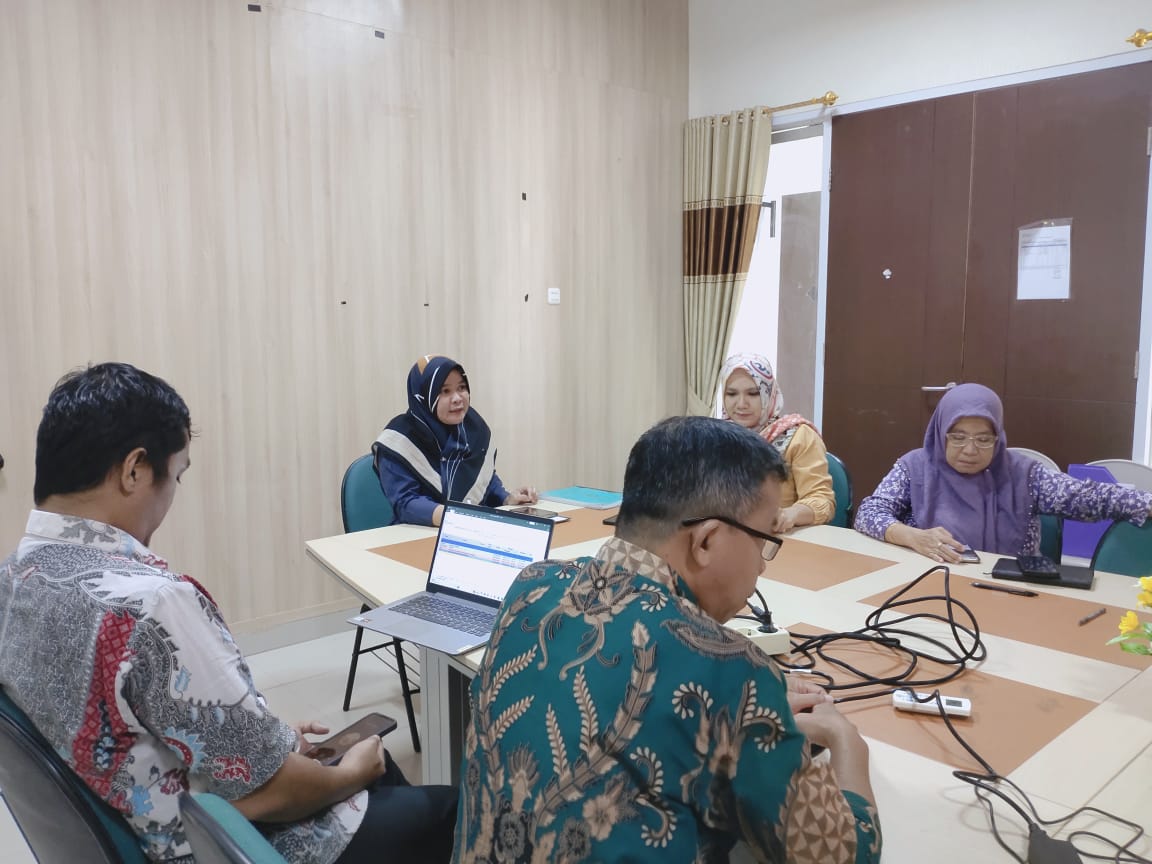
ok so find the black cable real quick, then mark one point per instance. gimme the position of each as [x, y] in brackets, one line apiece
[966, 647]
[981, 795]
[888, 635]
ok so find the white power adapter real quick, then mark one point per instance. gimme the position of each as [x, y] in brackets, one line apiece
[775, 642]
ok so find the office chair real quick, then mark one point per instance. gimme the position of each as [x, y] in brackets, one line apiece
[1125, 549]
[219, 834]
[1051, 536]
[364, 505]
[60, 817]
[1128, 471]
[842, 486]
[1036, 456]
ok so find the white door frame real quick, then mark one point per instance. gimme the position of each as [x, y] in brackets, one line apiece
[1142, 428]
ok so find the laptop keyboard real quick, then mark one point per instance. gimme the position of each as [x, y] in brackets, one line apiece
[477, 622]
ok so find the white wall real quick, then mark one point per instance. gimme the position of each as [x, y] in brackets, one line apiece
[793, 167]
[749, 52]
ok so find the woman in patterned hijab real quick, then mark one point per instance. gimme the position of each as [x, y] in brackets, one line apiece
[752, 398]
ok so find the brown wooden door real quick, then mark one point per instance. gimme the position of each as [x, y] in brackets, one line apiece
[894, 319]
[934, 192]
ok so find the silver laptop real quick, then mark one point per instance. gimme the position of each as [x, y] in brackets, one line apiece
[479, 552]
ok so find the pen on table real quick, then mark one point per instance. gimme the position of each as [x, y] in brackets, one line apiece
[1087, 618]
[1019, 592]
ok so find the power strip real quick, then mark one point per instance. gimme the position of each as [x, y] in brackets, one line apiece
[776, 642]
[956, 706]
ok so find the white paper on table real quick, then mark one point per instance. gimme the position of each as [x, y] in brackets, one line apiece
[1045, 257]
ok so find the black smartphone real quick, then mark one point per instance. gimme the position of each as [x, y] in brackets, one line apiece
[611, 520]
[1037, 565]
[331, 750]
[967, 556]
[540, 513]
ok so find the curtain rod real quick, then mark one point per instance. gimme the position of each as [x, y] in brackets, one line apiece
[827, 100]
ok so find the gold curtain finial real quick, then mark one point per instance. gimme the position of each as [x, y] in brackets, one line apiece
[1140, 38]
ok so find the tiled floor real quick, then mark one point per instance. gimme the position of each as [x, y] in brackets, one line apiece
[302, 682]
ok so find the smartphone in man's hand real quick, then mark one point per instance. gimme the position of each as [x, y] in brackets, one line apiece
[332, 750]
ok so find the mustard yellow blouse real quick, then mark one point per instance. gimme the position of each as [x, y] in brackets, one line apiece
[809, 482]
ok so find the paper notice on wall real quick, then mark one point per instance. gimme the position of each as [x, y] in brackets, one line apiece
[1044, 260]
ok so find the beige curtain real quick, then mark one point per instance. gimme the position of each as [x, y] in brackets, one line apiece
[725, 165]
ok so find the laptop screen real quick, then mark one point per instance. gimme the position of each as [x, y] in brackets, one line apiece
[480, 552]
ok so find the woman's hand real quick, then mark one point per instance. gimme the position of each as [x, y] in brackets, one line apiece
[788, 518]
[523, 495]
[935, 543]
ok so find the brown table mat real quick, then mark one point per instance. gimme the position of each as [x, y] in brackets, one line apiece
[1010, 721]
[812, 566]
[583, 524]
[1048, 620]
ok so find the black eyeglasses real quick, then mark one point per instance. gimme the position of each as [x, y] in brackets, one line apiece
[771, 544]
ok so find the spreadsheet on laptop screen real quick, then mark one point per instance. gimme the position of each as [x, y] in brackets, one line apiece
[481, 553]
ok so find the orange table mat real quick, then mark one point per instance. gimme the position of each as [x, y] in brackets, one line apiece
[582, 525]
[1010, 721]
[812, 566]
[1048, 620]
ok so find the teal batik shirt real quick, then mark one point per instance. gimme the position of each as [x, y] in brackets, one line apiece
[613, 720]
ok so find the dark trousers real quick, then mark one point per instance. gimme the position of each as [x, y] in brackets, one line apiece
[404, 823]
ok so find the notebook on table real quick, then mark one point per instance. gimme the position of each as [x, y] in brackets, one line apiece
[479, 552]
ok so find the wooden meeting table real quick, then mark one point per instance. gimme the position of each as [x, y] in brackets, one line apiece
[1053, 708]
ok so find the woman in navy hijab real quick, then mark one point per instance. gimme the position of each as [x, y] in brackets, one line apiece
[440, 449]
[964, 487]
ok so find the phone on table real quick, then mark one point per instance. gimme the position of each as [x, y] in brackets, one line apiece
[968, 556]
[611, 520]
[540, 513]
[331, 750]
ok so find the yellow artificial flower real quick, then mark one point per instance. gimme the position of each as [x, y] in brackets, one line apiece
[1146, 583]
[1129, 624]
[1144, 598]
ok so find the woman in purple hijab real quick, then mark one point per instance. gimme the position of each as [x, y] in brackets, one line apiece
[964, 487]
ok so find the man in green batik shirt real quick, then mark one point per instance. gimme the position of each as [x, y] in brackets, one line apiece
[615, 719]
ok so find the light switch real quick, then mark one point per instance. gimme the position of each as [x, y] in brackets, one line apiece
[554, 296]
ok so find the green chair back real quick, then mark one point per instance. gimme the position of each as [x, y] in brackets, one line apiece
[842, 487]
[363, 504]
[1125, 549]
[60, 817]
[1051, 536]
[219, 834]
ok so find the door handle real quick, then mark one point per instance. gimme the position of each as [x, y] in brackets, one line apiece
[943, 389]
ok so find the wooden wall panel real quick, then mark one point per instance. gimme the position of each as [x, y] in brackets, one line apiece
[279, 211]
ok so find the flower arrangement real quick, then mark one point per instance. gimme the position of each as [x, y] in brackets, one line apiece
[1136, 636]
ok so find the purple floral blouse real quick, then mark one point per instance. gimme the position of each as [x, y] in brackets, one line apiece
[1052, 492]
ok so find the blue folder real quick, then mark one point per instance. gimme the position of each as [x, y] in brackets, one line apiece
[584, 496]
